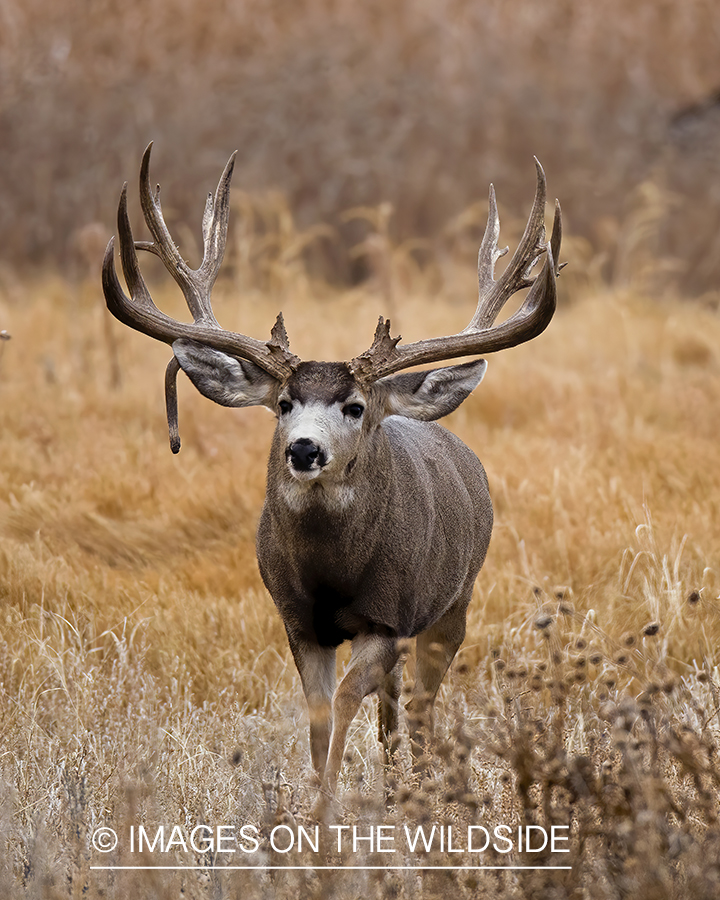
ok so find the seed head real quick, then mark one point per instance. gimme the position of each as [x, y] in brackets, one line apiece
[404, 794]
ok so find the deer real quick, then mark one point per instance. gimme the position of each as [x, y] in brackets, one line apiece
[376, 519]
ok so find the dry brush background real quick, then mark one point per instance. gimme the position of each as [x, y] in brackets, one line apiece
[418, 103]
[144, 675]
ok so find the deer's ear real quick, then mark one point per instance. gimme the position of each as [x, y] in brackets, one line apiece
[432, 394]
[225, 379]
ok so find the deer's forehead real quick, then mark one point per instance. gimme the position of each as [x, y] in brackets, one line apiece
[320, 382]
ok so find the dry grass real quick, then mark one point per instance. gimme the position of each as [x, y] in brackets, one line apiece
[337, 104]
[144, 674]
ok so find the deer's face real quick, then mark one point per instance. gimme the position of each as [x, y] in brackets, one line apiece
[323, 413]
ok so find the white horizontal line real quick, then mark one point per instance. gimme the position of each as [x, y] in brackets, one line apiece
[333, 868]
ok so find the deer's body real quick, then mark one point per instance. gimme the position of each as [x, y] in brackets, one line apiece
[376, 520]
[394, 556]
[401, 545]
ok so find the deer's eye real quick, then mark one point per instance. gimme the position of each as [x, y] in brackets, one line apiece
[354, 410]
[285, 407]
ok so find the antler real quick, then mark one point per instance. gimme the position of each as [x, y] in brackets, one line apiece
[139, 312]
[385, 356]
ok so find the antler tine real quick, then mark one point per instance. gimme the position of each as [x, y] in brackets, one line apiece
[538, 308]
[140, 312]
[493, 295]
[489, 254]
[215, 224]
[196, 284]
[481, 335]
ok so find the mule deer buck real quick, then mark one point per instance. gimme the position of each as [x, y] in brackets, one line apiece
[376, 520]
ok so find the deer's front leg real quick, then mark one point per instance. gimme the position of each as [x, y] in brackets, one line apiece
[373, 658]
[316, 666]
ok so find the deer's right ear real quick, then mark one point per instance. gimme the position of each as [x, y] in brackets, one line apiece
[225, 379]
[433, 393]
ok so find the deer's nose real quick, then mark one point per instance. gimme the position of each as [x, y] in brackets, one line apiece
[303, 454]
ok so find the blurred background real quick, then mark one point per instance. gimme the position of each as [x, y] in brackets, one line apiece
[405, 109]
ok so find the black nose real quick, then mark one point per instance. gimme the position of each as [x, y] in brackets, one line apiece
[303, 454]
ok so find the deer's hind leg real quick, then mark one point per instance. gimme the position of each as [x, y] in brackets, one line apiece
[388, 710]
[435, 650]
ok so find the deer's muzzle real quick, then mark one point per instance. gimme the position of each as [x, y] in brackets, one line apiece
[303, 455]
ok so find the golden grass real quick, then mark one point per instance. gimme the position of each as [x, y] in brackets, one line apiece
[144, 672]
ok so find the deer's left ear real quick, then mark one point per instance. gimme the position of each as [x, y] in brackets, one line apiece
[223, 378]
[432, 394]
